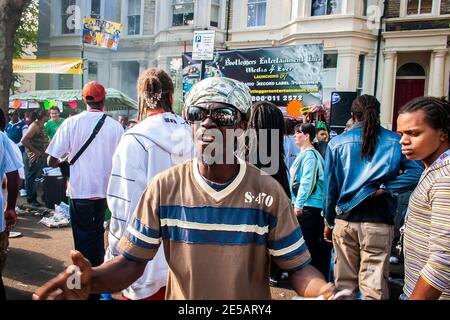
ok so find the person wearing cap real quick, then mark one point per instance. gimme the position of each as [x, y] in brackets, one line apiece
[160, 141]
[220, 219]
[89, 175]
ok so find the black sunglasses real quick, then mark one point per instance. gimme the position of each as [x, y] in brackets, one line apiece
[223, 117]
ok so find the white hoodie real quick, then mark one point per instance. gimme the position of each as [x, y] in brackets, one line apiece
[149, 148]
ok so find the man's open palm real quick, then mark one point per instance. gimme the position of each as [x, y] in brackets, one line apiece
[72, 284]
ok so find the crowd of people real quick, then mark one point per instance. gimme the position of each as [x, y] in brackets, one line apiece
[230, 197]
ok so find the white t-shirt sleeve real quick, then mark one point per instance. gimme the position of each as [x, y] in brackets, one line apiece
[59, 147]
[12, 163]
[18, 155]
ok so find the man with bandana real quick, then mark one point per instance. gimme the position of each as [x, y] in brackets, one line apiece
[219, 219]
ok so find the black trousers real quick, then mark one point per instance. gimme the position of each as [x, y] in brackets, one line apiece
[87, 218]
[312, 225]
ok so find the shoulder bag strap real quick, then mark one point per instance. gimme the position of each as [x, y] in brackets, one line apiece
[91, 138]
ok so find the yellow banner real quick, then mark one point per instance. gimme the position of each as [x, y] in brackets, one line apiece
[60, 66]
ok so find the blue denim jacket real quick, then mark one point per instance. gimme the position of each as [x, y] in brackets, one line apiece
[349, 180]
[309, 166]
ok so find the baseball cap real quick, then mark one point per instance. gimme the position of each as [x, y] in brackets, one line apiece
[93, 92]
[223, 90]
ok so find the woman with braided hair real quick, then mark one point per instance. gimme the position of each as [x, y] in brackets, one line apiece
[361, 182]
[267, 118]
[158, 142]
[424, 124]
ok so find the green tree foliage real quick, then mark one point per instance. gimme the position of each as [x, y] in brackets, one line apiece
[26, 38]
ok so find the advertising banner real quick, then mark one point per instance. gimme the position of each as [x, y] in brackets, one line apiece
[101, 33]
[278, 75]
[59, 66]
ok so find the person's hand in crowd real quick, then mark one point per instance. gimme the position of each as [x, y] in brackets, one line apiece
[379, 193]
[328, 234]
[72, 284]
[329, 292]
[10, 219]
[35, 156]
[298, 212]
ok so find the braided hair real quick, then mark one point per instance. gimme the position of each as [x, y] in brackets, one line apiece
[266, 115]
[366, 109]
[154, 90]
[437, 112]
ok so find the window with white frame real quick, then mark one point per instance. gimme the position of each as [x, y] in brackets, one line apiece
[92, 70]
[134, 17]
[325, 7]
[65, 81]
[256, 13]
[329, 84]
[183, 13]
[215, 10]
[96, 9]
[416, 7]
[361, 69]
[66, 24]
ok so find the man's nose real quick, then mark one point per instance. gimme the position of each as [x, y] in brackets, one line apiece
[208, 123]
[404, 140]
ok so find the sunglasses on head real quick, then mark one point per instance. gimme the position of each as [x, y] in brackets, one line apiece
[222, 117]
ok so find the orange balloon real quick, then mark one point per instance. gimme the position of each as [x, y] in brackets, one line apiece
[17, 104]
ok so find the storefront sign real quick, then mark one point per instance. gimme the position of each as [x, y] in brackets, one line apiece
[278, 75]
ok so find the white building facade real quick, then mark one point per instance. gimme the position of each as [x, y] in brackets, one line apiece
[157, 32]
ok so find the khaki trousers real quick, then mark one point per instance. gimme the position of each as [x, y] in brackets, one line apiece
[361, 260]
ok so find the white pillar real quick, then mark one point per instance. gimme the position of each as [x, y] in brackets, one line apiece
[347, 70]
[437, 76]
[143, 65]
[115, 75]
[387, 102]
[369, 74]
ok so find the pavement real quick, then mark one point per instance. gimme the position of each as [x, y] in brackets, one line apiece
[42, 253]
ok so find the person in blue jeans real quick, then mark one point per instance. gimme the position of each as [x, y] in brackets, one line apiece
[362, 180]
[306, 194]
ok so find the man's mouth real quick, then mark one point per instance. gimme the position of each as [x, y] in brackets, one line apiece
[407, 152]
[207, 139]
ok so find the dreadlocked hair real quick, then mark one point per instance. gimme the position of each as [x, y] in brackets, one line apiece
[437, 112]
[2, 120]
[266, 115]
[366, 109]
[154, 90]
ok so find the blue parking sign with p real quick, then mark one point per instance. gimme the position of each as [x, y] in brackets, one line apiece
[198, 39]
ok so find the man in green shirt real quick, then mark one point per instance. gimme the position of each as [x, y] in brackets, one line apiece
[53, 124]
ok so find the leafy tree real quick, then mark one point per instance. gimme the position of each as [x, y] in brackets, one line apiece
[10, 18]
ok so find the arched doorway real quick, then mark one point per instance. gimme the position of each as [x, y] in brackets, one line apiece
[409, 85]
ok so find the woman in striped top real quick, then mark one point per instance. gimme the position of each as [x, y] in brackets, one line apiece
[424, 124]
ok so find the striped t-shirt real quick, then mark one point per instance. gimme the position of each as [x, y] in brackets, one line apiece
[427, 234]
[218, 244]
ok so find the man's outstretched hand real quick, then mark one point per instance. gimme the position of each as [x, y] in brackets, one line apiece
[72, 284]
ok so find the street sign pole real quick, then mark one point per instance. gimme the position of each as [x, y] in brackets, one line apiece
[203, 48]
[203, 70]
